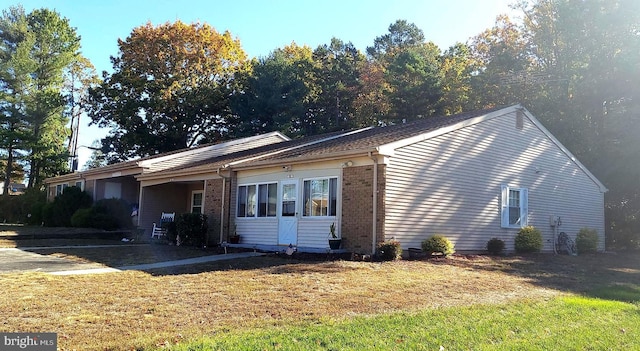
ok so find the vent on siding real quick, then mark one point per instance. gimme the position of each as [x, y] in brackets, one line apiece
[519, 119]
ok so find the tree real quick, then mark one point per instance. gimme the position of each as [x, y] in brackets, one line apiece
[97, 158]
[35, 48]
[589, 51]
[457, 69]
[337, 70]
[415, 80]
[503, 66]
[170, 89]
[80, 76]
[401, 36]
[279, 95]
[411, 70]
[15, 65]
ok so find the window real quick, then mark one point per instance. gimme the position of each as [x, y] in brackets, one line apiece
[257, 200]
[196, 201]
[267, 199]
[320, 197]
[60, 188]
[514, 207]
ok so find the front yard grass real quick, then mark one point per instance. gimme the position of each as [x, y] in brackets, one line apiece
[560, 323]
[474, 302]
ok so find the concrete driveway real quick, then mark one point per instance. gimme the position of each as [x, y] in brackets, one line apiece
[14, 260]
[17, 260]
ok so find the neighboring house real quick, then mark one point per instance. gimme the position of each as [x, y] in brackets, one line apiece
[119, 180]
[14, 188]
[471, 177]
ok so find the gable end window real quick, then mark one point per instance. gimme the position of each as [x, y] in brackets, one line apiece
[514, 207]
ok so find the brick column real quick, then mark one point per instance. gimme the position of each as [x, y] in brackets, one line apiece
[357, 207]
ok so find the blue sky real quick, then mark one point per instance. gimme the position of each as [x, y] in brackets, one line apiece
[263, 26]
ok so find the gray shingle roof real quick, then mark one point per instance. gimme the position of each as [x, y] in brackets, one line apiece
[328, 145]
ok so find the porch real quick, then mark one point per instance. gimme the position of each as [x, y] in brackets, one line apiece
[283, 249]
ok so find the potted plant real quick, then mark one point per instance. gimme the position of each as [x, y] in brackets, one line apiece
[234, 238]
[334, 240]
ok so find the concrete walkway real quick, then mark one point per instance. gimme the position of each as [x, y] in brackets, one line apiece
[22, 259]
[183, 262]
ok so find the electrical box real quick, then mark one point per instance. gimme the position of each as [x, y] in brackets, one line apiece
[553, 220]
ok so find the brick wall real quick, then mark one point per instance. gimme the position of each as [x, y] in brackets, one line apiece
[213, 207]
[357, 207]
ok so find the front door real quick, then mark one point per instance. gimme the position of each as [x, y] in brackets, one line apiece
[288, 222]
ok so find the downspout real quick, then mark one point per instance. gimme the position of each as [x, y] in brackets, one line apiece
[224, 195]
[374, 221]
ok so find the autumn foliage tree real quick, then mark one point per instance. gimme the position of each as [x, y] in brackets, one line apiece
[170, 89]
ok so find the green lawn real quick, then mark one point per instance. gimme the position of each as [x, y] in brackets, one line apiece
[562, 323]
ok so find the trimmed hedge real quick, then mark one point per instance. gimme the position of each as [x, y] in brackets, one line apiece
[438, 243]
[389, 250]
[529, 239]
[587, 240]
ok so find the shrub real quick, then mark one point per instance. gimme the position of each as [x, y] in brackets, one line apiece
[192, 228]
[82, 218]
[587, 240]
[438, 243]
[24, 208]
[107, 214]
[59, 212]
[389, 250]
[529, 239]
[113, 214]
[495, 246]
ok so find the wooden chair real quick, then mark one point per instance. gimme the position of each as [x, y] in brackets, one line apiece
[161, 230]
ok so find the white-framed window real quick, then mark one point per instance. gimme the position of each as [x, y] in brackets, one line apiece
[320, 197]
[515, 207]
[197, 201]
[257, 200]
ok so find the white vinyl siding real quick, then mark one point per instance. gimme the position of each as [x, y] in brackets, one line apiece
[451, 185]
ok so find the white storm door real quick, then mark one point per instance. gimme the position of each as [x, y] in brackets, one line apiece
[288, 220]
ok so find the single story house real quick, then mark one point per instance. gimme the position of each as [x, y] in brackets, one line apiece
[471, 177]
[119, 180]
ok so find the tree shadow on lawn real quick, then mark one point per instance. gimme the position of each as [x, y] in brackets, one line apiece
[612, 276]
[273, 263]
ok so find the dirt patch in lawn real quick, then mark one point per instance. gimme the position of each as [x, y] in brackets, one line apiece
[135, 310]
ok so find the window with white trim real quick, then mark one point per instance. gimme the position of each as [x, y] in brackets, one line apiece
[257, 200]
[320, 197]
[197, 201]
[515, 207]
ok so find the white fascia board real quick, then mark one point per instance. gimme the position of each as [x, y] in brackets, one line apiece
[389, 149]
[538, 124]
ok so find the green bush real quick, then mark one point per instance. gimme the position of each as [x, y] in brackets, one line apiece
[438, 243]
[24, 208]
[389, 250]
[495, 246]
[82, 218]
[529, 239]
[191, 229]
[107, 214]
[587, 240]
[113, 213]
[59, 212]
